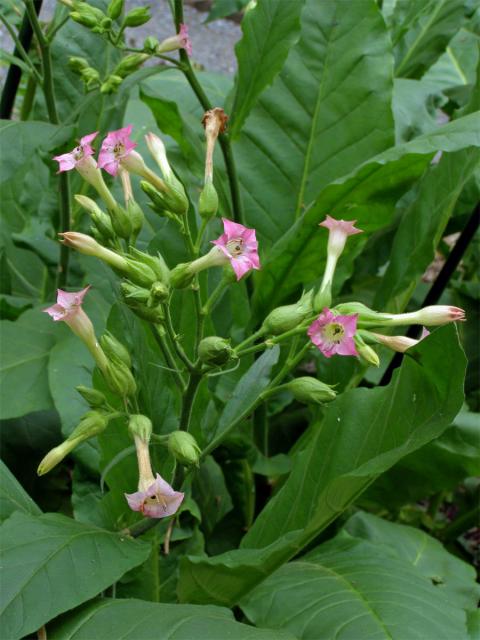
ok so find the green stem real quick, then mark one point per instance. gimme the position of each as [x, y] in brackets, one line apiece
[49, 93]
[214, 297]
[28, 98]
[167, 354]
[200, 233]
[188, 400]
[251, 338]
[20, 48]
[252, 349]
[175, 340]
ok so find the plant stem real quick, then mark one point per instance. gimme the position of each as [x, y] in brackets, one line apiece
[174, 338]
[49, 93]
[19, 51]
[188, 400]
[167, 354]
[214, 297]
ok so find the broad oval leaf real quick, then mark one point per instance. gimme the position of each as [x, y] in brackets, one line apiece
[139, 620]
[13, 496]
[52, 563]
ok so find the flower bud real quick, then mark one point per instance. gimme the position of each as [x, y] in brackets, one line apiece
[140, 273]
[215, 350]
[288, 317]
[133, 292]
[84, 19]
[396, 343]
[121, 222]
[90, 247]
[77, 65]
[95, 398]
[150, 44]
[307, 389]
[182, 275]
[208, 202]
[120, 379]
[156, 263]
[111, 84]
[434, 315]
[174, 195]
[151, 314]
[136, 217]
[158, 293]
[365, 351]
[137, 17]
[100, 218]
[129, 64]
[366, 316]
[114, 350]
[90, 77]
[90, 425]
[184, 448]
[115, 8]
[158, 203]
[140, 426]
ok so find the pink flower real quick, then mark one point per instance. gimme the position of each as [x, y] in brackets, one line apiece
[184, 39]
[339, 232]
[68, 305]
[115, 148]
[334, 334]
[240, 246]
[160, 500]
[68, 161]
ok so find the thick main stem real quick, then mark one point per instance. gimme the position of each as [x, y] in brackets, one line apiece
[188, 400]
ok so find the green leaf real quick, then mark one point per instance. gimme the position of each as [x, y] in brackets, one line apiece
[211, 493]
[449, 574]
[52, 563]
[328, 110]
[134, 619]
[361, 588]
[167, 117]
[415, 106]
[25, 347]
[422, 227]
[364, 432]
[13, 496]
[269, 30]
[369, 195]
[424, 32]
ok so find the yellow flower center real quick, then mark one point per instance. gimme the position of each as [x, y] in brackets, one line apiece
[235, 246]
[334, 332]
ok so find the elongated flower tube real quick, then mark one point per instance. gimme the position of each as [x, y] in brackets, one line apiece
[90, 247]
[431, 316]
[155, 498]
[214, 122]
[68, 309]
[339, 231]
[398, 343]
[334, 334]
[175, 195]
[180, 41]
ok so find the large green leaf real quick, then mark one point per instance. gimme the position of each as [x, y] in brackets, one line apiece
[327, 111]
[369, 195]
[140, 620]
[52, 563]
[423, 225]
[364, 432]
[370, 586]
[13, 496]
[269, 30]
[25, 347]
[423, 29]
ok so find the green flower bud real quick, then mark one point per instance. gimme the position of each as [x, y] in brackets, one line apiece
[120, 222]
[137, 218]
[90, 425]
[120, 379]
[129, 64]
[158, 203]
[90, 77]
[83, 19]
[215, 350]
[114, 350]
[106, 23]
[208, 202]
[182, 275]
[137, 17]
[150, 44]
[288, 317]
[156, 263]
[140, 426]
[140, 273]
[131, 291]
[100, 218]
[115, 8]
[94, 397]
[158, 293]
[322, 299]
[366, 316]
[111, 84]
[151, 314]
[77, 65]
[307, 389]
[366, 353]
[184, 448]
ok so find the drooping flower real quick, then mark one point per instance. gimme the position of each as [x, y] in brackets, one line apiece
[68, 309]
[399, 343]
[69, 161]
[180, 41]
[339, 230]
[240, 246]
[334, 334]
[159, 500]
[116, 148]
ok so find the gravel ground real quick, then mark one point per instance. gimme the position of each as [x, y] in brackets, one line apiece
[212, 43]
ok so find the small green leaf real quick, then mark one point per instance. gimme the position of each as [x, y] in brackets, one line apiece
[13, 496]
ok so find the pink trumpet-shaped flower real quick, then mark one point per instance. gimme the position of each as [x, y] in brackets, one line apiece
[179, 41]
[68, 305]
[334, 334]
[339, 232]
[159, 500]
[68, 161]
[184, 39]
[116, 147]
[240, 246]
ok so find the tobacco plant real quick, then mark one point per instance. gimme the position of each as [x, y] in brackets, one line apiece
[207, 289]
